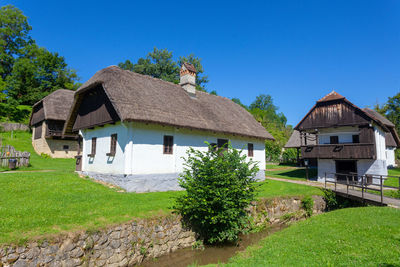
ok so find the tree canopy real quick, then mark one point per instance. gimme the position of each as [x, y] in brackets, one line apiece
[28, 72]
[160, 64]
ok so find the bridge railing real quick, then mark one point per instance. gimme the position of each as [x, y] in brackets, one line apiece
[373, 182]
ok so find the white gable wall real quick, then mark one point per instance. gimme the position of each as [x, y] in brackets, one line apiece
[390, 157]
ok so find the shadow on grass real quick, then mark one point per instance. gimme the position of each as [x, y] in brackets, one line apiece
[295, 174]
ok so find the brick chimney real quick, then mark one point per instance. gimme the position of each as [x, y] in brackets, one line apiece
[188, 78]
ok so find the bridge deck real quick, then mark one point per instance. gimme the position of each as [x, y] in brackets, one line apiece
[368, 197]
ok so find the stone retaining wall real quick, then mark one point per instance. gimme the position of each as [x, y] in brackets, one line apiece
[130, 243]
[13, 126]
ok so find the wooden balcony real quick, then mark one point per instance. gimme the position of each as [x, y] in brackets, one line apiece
[339, 151]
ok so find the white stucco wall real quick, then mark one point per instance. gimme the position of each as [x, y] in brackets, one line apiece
[390, 157]
[380, 143]
[140, 148]
[364, 166]
[345, 134]
[101, 162]
[326, 166]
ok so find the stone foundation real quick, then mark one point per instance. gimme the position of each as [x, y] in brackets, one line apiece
[141, 183]
[130, 243]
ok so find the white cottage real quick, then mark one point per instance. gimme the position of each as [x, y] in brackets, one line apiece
[136, 129]
[345, 139]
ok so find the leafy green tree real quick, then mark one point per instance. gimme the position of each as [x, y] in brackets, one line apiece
[219, 186]
[264, 111]
[237, 101]
[14, 36]
[160, 64]
[37, 75]
[391, 110]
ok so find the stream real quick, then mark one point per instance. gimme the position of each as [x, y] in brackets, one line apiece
[210, 254]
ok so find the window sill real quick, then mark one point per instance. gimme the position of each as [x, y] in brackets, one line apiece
[91, 155]
[110, 154]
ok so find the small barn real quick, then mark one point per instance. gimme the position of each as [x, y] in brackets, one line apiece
[47, 122]
[136, 129]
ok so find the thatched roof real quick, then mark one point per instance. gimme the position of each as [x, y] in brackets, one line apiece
[295, 142]
[137, 97]
[55, 106]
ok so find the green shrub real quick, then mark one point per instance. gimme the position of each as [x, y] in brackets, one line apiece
[289, 155]
[219, 187]
[307, 203]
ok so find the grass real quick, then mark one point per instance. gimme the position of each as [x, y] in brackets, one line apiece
[391, 181]
[35, 204]
[292, 174]
[368, 236]
[22, 141]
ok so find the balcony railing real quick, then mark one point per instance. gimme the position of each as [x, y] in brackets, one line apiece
[339, 151]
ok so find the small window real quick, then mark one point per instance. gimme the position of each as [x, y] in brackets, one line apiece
[65, 147]
[113, 145]
[223, 143]
[250, 150]
[356, 139]
[168, 144]
[334, 139]
[93, 152]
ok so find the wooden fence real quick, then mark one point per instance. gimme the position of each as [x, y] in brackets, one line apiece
[8, 152]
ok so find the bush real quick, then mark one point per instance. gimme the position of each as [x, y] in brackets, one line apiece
[307, 203]
[219, 187]
[289, 155]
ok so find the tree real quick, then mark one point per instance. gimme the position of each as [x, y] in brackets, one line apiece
[160, 64]
[391, 110]
[37, 74]
[14, 36]
[264, 111]
[219, 186]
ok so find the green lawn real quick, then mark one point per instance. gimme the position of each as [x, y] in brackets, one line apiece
[367, 236]
[293, 174]
[39, 203]
[391, 181]
[22, 141]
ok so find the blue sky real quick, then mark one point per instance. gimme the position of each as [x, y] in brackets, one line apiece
[296, 51]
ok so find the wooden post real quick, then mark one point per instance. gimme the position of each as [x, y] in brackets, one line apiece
[381, 190]
[347, 184]
[362, 188]
[335, 181]
[307, 172]
[325, 180]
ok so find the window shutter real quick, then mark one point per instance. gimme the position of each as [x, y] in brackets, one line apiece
[113, 145]
[94, 141]
[168, 144]
[250, 150]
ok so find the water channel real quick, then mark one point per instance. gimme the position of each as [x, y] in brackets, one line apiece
[210, 254]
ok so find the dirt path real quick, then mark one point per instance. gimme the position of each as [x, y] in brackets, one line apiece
[28, 171]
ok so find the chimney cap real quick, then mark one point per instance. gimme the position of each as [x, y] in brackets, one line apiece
[189, 67]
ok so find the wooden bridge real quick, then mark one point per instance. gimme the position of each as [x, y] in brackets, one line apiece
[369, 188]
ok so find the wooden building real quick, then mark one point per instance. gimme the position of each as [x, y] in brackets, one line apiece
[136, 129]
[47, 122]
[347, 139]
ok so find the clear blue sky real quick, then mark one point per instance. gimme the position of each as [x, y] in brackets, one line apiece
[296, 51]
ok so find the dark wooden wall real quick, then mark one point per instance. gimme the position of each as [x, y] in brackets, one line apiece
[95, 110]
[37, 114]
[333, 114]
